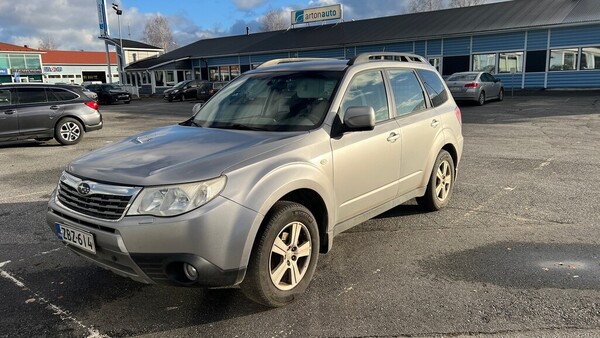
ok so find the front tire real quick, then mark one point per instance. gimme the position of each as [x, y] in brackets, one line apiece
[68, 131]
[284, 257]
[441, 183]
[501, 95]
[481, 99]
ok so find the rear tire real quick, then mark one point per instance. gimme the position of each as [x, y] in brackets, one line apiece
[68, 131]
[284, 256]
[441, 183]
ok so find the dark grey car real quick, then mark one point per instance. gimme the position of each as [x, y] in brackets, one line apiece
[46, 111]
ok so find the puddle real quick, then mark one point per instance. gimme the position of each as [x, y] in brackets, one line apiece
[524, 265]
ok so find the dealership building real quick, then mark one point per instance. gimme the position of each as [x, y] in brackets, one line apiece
[527, 44]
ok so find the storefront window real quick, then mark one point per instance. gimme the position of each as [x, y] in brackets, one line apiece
[225, 73]
[17, 61]
[159, 78]
[4, 61]
[507, 62]
[214, 73]
[33, 61]
[590, 58]
[145, 78]
[563, 59]
[484, 63]
[436, 63]
[235, 72]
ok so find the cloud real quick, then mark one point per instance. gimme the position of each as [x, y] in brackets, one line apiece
[247, 5]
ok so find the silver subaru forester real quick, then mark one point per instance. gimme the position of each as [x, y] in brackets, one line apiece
[262, 178]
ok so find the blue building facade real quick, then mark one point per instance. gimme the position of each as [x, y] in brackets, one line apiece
[527, 44]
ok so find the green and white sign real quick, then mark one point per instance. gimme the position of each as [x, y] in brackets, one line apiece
[333, 12]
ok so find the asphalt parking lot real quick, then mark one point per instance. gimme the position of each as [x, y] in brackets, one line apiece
[517, 252]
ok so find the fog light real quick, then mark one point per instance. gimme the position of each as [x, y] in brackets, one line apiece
[190, 272]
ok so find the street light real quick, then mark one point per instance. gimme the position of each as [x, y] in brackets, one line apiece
[119, 13]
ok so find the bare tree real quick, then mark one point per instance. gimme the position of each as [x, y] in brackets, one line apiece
[465, 3]
[415, 6]
[47, 43]
[157, 32]
[274, 20]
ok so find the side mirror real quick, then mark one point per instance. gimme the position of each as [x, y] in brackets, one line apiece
[360, 118]
[197, 107]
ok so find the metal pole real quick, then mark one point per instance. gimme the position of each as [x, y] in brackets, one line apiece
[122, 57]
[108, 62]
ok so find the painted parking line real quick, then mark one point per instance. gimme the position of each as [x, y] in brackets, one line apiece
[55, 309]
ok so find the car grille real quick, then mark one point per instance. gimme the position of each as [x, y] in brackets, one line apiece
[104, 202]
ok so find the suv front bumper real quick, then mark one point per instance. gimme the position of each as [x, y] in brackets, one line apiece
[153, 250]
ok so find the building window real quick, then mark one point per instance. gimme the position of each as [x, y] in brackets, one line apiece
[455, 64]
[436, 63]
[213, 73]
[484, 63]
[590, 58]
[510, 62]
[159, 78]
[54, 76]
[224, 70]
[134, 57]
[563, 59]
[4, 61]
[235, 71]
[170, 78]
[78, 76]
[33, 61]
[17, 61]
[536, 61]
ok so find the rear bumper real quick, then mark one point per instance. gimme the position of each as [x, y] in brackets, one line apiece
[94, 127]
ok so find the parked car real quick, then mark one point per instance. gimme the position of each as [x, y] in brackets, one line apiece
[110, 93]
[258, 182]
[90, 94]
[46, 111]
[192, 89]
[475, 86]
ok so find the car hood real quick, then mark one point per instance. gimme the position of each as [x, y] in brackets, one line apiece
[176, 154]
[117, 91]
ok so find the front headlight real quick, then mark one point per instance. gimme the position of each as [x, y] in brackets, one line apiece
[174, 200]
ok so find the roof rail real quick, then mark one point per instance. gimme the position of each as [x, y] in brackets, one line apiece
[290, 60]
[386, 56]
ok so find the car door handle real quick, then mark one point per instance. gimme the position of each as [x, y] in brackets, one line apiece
[54, 107]
[393, 137]
[10, 112]
[435, 123]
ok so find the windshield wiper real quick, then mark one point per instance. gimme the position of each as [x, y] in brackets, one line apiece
[190, 122]
[239, 126]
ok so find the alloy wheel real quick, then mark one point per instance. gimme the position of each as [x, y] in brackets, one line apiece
[290, 256]
[443, 181]
[70, 131]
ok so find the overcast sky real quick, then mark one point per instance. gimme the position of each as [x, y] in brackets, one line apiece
[73, 24]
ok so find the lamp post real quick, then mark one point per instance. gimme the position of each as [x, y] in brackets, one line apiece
[120, 55]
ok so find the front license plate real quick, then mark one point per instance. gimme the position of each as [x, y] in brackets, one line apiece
[73, 236]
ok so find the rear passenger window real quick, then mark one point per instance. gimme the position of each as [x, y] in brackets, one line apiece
[31, 95]
[367, 89]
[434, 86]
[4, 97]
[407, 90]
[59, 94]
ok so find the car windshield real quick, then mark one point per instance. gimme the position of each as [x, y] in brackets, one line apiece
[271, 101]
[181, 84]
[462, 77]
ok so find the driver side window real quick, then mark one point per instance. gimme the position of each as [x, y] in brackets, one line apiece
[367, 89]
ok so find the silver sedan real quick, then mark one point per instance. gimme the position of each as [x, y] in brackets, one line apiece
[475, 86]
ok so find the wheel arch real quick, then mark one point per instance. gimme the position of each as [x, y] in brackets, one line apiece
[75, 117]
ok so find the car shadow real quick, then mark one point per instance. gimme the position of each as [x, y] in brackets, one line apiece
[29, 144]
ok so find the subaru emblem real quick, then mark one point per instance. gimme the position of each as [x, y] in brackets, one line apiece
[83, 188]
